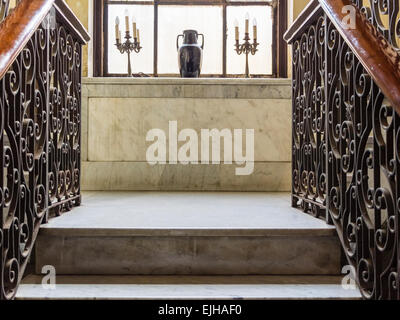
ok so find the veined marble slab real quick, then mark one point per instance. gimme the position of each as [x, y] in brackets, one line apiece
[118, 112]
[197, 287]
[187, 292]
[140, 176]
[186, 214]
[118, 127]
[187, 88]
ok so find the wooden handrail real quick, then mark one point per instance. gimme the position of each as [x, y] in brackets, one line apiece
[376, 54]
[18, 28]
[20, 25]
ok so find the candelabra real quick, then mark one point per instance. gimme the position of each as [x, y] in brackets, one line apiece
[128, 46]
[247, 47]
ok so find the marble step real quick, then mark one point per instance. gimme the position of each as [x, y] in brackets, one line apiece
[152, 233]
[187, 288]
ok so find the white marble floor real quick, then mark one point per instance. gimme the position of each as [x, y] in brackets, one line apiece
[187, 292]
[210, 213]
[188, 288]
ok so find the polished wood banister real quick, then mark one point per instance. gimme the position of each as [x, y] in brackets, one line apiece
[18, 28]
[375, 53]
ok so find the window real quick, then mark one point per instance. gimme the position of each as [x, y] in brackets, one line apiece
[161, 21]
[173, 19]
[142, 62]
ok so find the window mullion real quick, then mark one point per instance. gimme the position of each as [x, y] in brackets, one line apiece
[155, 49]
[224, 39]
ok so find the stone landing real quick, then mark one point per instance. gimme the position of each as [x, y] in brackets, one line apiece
[150, 233]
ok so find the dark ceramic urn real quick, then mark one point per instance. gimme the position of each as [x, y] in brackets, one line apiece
[190, 54]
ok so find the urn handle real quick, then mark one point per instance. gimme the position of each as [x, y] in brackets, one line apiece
[202, 43]
[177, 41]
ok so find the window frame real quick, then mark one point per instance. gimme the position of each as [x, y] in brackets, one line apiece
[279, 46]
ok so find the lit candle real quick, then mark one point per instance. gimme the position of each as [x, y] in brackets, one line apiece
[117, 33]
[236, 30]
[255, 29]
[138, 35]
[247, 22]
[134, 27]
[127, 20]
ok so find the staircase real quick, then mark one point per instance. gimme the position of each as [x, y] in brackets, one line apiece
[185, 231]
[208, 243]
[150, 245]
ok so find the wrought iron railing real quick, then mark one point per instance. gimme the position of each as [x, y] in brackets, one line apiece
[40, 110]
[346, 144]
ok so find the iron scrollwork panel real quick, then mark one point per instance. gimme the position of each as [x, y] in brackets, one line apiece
[363, 161]
[308, 135]
[40, 144]
[24, 157]
[346, 150]
[65, 120]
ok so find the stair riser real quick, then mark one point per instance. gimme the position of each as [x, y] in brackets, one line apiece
[140, 176]
[314, 255]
